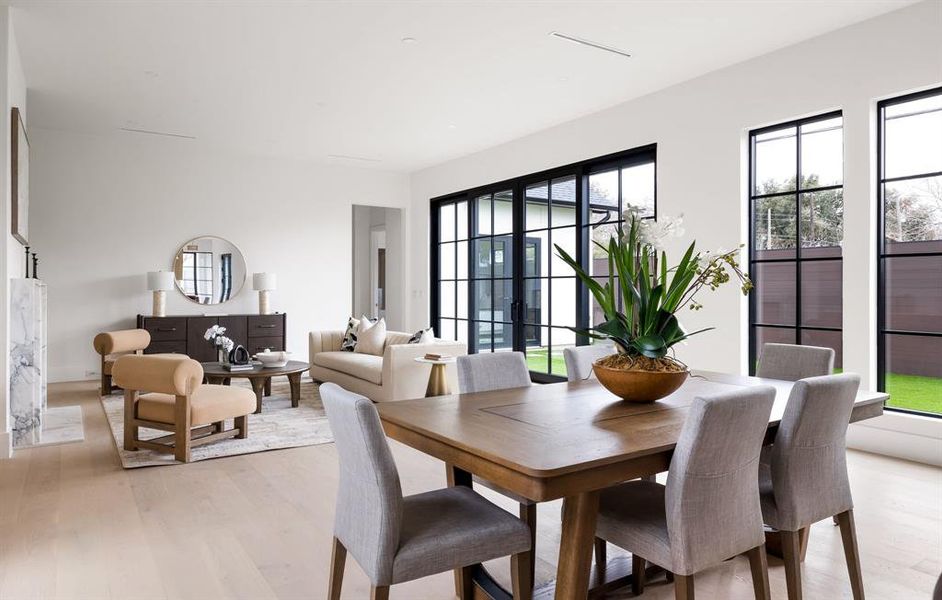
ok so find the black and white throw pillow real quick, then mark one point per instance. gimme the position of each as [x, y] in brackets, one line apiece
[422, 336]
[349, 341]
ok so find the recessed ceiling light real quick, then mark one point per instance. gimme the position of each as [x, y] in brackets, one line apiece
[452, 126]
[563, 79]
[408, 40]
[591, 44]
[151, 74]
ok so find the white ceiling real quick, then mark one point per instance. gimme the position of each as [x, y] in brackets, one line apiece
[312, 79]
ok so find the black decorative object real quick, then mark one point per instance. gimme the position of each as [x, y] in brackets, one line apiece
[27, 262]
[35, 269]
[239, 355]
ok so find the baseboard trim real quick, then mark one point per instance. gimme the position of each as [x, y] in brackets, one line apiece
[910, 437]
[70, 373]
[6, 445]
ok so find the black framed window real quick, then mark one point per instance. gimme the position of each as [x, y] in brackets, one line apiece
[909, 243]
[496, 282]
[796, 219]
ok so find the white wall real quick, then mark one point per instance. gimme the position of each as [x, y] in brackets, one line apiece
[13, 93]
[106, 210]
[700, 127]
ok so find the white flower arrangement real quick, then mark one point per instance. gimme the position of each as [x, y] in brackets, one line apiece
[656, 233]
[215, 335]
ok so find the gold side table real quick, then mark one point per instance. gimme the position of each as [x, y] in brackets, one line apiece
[437, 378]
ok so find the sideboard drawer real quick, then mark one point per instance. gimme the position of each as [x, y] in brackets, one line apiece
[167, 347]
[258, 344]
[166, 328]
[266, 326]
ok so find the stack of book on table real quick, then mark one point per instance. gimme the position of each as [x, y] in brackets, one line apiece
[234, 367]
[433, 356]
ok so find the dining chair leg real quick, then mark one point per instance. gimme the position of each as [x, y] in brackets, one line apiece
[683, 587]
[521, 575]
[791, 556]
[803, 536]
[338, 558]
[849, 537]
[638, 575]
[601, 552]
[759, 565]
[528, 516]
[379, 592]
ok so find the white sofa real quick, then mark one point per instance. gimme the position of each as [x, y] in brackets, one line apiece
[393, 376]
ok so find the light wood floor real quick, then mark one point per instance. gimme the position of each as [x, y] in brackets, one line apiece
[74, 524]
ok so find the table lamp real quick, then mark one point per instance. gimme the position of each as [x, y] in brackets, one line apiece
[264, 283]
[159, 282]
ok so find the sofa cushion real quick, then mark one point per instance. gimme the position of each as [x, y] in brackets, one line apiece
[371, 337]
[363, 366]
[208, 404]
[395, 338]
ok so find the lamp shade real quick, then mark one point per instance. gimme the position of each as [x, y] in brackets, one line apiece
[160, 281]
[264, 281]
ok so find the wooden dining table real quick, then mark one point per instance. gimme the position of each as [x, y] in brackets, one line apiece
[566, 440]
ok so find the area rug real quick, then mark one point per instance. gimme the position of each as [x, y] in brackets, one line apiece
[278, 426]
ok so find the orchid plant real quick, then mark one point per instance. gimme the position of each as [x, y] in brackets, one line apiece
[215, 335]
[651, 292]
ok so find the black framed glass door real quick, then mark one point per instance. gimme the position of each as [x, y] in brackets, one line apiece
[496, 282]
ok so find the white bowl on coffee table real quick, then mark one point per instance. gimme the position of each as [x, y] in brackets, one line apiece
[273, 360]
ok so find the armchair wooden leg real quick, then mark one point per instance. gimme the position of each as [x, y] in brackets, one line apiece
[638, 576]
[338, 558]
[242, 424]
[182, 433]
[379, 592]
[106, 387]
[849, 537]
[683, 587]
[521, 574]
[759, 564]
[130, 426]
[601, 552]
[791, 555]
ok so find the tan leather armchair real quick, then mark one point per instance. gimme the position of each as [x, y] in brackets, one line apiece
[112, 344]
[176, 400]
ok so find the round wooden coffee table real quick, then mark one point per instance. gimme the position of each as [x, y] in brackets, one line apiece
[260, 378]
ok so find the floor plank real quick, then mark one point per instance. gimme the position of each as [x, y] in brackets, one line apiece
[77, 525]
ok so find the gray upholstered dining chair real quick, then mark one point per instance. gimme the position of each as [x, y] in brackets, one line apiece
[791, 362]
[579, 360]
[806, 479]
[490, 371]
[396, 538]
[709, 510]
[486, 372]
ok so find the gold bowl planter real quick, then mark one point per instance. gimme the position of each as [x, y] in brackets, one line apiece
[639, 386]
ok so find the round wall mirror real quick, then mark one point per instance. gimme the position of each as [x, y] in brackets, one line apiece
[209, 270]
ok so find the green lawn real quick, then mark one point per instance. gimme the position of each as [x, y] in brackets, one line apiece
[536, 360]
[914, 392]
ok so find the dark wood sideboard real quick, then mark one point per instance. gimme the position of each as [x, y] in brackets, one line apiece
[184, 334]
